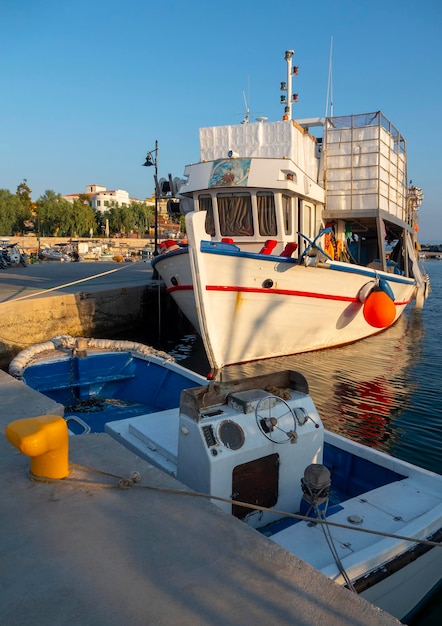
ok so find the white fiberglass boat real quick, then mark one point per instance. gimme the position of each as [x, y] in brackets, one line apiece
[258, 447]
[302, 235]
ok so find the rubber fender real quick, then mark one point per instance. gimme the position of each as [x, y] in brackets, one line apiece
[385, 287]
[366, 290]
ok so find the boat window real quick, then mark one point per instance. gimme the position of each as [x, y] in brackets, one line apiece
[265, 203]
[287, 214]
[235, 214]
[205, 204]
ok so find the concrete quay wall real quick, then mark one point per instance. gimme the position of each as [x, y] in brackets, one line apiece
[85, 314]
[33, 308]
[118, 244]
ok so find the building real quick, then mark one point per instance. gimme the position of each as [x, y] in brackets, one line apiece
[101, 199]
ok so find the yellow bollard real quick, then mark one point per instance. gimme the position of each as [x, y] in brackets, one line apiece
[46, 440]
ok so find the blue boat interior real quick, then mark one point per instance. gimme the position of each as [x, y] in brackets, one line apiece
[350, 475]
[107, 387]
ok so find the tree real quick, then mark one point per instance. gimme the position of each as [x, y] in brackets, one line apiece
[25, 211]
[83, 219]
[143, 216]
[24, 194]
[10, 211]
[55, 215]
[121, 219]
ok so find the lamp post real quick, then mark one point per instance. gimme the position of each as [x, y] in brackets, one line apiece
[153, 161]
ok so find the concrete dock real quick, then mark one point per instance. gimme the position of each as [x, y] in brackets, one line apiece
[82, 550]
[80, 299]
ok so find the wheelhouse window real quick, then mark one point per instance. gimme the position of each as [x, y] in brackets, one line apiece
[287, 214]
[235, 214]
[265, 203]
[205, 204]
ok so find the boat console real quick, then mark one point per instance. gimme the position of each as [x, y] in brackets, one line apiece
[247, 440]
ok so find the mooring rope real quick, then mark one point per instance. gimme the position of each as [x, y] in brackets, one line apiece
[75, 282]
[44, 291]
[134, 479]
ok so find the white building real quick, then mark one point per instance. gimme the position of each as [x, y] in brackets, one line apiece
[102, 199]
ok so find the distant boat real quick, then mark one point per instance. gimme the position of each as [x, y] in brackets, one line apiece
[55, 253]
[296, 242]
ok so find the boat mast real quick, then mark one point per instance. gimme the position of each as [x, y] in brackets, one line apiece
[288, 98]
[329, 101]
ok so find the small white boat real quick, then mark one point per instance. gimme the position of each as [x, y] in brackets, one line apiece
[52, 253]
[302, 235]
[258, 448]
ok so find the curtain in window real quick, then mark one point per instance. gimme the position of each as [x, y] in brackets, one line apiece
[287, 214]
[235, 215]
[266, 214]
[205, 204]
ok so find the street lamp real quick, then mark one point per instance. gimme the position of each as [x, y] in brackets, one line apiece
[153, 161]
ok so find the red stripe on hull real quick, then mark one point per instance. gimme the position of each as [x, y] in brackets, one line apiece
[282, 292]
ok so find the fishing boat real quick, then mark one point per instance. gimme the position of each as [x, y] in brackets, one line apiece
[302, 234]
[257, 447]
[100, 380]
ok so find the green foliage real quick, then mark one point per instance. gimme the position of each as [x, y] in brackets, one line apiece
[24, 194]
[10, 212]
[137, 217]
[53, 216]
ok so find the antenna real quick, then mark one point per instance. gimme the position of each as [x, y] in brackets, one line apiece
[248, 113]
[246, 119]
[329, 105]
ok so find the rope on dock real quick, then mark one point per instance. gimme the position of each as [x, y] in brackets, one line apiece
[135, 477]
[75, 282]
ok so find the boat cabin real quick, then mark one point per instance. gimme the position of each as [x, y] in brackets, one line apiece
[267, 185]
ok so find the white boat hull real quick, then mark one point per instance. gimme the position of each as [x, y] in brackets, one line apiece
[248, 307]
[401, 593]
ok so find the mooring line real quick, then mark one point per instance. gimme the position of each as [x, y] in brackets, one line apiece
[134, 481]
[75, 282]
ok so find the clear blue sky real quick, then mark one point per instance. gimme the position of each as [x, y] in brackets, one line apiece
[88, 86]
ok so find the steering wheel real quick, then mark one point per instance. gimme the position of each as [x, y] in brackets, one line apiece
[313, 244]
[276, 420]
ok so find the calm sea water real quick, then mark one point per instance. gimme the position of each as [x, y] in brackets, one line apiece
[384, 391]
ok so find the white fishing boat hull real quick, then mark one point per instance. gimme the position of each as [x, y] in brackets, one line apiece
[250, 306]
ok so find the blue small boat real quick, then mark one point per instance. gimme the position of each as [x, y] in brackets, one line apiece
[102, 380]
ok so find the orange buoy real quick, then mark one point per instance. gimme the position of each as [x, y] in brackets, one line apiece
[379, 310]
